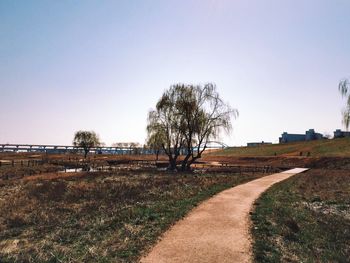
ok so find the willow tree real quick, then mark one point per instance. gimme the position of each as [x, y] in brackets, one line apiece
[164, 123]
[86, 140]
[186, 118]
[344, 89]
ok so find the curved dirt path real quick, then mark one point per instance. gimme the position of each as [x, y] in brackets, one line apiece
[218, 229]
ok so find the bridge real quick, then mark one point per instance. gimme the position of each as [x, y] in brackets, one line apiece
[40, 148]
[62, 149]
[214, 145]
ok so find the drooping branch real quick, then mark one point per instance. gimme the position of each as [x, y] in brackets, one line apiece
[188, 116]
[344, 89]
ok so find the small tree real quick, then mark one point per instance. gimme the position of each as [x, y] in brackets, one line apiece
[188, 117]
[344, 89]
[86, 140]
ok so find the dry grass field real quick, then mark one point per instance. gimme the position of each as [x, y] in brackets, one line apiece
[319, 148]
[304, 219]
[116, 215]
[97, 216]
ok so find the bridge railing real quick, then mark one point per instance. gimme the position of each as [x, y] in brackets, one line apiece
[62, 149]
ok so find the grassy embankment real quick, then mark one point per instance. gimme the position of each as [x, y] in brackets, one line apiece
[100, 217]
[304, 219]
[319, 148]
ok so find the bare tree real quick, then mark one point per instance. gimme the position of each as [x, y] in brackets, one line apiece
[344, 89]
[86, 140]
[117, 144]
[188, 117]
[134, 147]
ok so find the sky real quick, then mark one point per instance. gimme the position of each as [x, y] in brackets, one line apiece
[102, 65]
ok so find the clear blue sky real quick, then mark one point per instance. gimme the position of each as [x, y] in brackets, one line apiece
[101, 65]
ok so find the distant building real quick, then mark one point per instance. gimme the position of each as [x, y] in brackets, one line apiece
[255, 144]
[340, 134]
[309, 135]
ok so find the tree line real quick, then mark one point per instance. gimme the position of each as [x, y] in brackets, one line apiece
[186, 118]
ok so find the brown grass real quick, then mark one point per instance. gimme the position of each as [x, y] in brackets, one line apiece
[306, 218]
[97, 217]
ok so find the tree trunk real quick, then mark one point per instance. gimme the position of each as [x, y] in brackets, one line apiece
[172, 164]
[86, 151]
[185, 162]
[190, 162]
[157, 155]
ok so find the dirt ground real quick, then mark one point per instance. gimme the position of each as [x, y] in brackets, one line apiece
[48, 171]
[21, 165]
[283, 161]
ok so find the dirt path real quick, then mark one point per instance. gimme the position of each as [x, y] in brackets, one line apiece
[218, 229]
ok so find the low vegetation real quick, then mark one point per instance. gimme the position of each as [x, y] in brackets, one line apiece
[304, 219]
[320, 148]
[9, 172]
[98, 217]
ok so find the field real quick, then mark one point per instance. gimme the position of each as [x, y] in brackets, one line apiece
[304, 219]
[97, 216]
[118, 210]
[320, 148]
[18, 165]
